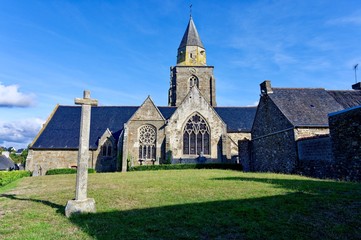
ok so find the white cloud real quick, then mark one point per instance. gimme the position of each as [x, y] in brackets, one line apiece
[11, 97]
[20, 132]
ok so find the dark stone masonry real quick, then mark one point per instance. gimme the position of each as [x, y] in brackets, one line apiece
[345, 130]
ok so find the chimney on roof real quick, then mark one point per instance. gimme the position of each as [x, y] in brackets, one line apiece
[266, 87]
[356, 86]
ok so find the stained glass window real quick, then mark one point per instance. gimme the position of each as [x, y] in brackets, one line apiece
[147, 140]
[196, 136]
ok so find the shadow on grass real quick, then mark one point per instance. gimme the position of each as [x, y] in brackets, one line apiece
[306, 185]
[311, 210]
[59, 208]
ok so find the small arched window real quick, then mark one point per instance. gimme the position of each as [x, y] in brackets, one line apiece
[196, 136]
[193, 81]
[147, 141]
[107, 149]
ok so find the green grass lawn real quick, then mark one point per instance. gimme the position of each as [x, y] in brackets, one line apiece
[184, 204]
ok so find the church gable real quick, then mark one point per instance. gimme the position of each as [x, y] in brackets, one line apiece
[194, 105]
[195, 102]
[148, 112]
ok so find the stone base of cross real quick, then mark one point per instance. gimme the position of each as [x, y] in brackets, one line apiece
[80, 206]
[81, 203]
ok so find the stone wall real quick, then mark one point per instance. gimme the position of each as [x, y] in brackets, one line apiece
[275, 153]
[195, 103]
[345, 130]
[315, 156]
[147, 114]
[307, 132]
[273, 140]
[40, 161]
[180, 86]
[234, 139]
[245, 151]
[316, 148]
[269, 119]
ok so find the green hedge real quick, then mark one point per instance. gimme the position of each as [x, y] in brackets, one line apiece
[66, 171]
[8, 177]
[187, 166]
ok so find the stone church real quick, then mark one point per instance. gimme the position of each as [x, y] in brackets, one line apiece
[191, 129]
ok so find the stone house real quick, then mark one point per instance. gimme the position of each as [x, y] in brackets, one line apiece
[191, 129]
[287, 115]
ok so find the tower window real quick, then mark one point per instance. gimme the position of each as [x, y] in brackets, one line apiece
[147, 140]
[196, 136]
[193, 81]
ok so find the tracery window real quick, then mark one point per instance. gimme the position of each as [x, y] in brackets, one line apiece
[147, 140]
[196, 136]
[193, 81]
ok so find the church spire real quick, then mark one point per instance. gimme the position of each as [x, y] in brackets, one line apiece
[191, 36]
[191, 51]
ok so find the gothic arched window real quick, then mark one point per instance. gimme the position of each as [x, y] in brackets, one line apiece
[193, 81]
[107, 149]
[196, 136]
[147, 141]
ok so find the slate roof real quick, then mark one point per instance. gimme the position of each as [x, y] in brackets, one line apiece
[167, 112]
[347, 98]
[310, 107]
[191, 37]
[62, 131]
[6, 163]
[238, 119]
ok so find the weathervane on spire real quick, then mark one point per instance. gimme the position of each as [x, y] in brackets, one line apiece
[190, 10]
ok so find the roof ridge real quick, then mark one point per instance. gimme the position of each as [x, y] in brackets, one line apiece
[298, 88]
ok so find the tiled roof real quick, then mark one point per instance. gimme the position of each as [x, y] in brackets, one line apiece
[191, 37]
[305, 106]
[62, 131]
[347, 98]
[238, 119]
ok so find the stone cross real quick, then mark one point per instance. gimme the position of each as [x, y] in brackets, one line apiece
[82, 204]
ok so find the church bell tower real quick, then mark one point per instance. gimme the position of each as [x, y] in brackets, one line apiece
[191, 69]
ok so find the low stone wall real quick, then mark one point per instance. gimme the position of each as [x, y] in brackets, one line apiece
[315, 156]
[318, 148]
[337, 156]
[244, 149]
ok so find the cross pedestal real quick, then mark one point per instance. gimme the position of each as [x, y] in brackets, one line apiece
[81, 203]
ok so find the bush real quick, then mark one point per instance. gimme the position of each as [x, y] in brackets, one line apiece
[8, 177]
[229, 166]
[66, 171]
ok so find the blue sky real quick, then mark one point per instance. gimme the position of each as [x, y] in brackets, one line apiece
[50, 51]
